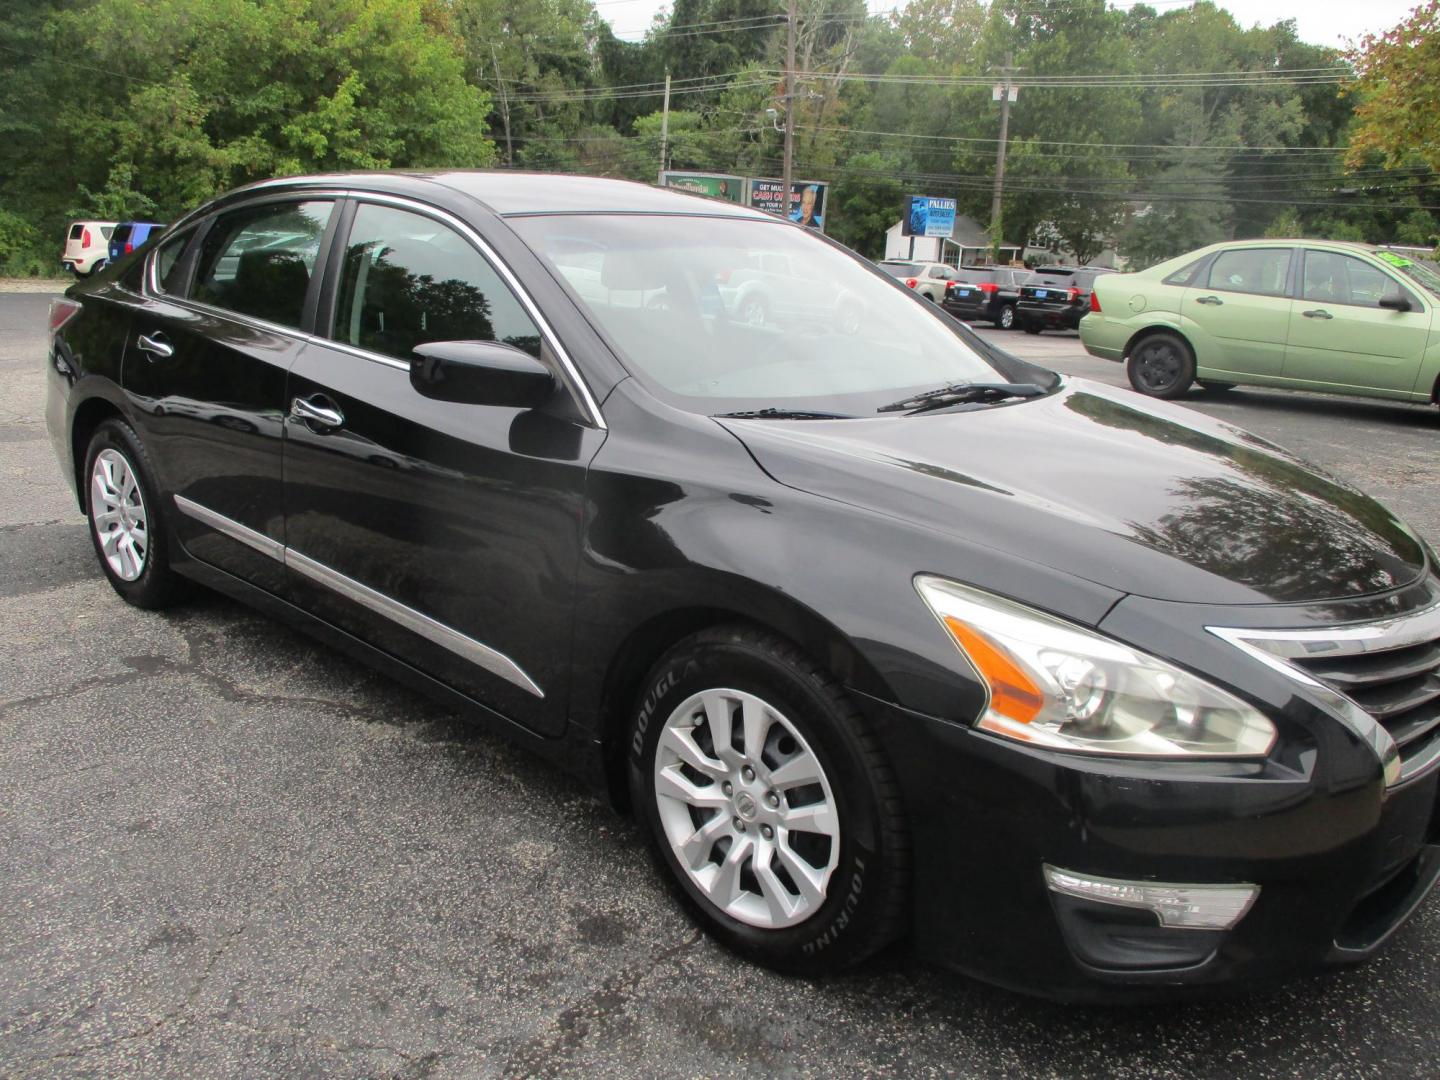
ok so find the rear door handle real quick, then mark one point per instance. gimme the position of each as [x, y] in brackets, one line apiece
[317, 411]
[1317, 313]
[156, 345]
[1213, 301]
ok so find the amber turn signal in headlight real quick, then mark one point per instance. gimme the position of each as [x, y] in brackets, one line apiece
[1054, 683]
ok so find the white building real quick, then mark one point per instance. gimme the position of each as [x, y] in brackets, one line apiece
[969, 245]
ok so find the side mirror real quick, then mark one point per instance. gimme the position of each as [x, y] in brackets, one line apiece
[480, 373]
[1395, 302]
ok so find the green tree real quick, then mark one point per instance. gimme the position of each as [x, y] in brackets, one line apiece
[201, 95]
[1398, 84]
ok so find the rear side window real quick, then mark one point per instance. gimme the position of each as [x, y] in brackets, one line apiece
[76, 230]
[257, 261]
[1261, 271]
[408, 279]
[1186, 273]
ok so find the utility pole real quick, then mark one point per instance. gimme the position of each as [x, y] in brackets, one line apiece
[664, 130]
[790, 99]
[1006, 91]
[504, 107]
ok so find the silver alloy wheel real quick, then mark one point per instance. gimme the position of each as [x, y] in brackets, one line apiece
[117, 513]
[747, 808]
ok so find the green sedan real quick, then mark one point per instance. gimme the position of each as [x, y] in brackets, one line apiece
[1300, 314]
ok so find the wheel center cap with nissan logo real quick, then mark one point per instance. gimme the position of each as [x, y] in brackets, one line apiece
[745, 806]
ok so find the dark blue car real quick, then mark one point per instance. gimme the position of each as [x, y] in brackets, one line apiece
[129, 235]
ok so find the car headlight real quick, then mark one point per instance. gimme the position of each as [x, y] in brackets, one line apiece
[1053, 683]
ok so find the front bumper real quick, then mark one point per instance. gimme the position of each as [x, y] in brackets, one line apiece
[1339, 860]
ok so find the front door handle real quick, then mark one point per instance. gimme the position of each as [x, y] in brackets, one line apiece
[1317, 313]
[317, 411]
[1213, 301]
[156, 345]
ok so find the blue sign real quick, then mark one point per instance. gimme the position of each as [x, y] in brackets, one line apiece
[929, 216]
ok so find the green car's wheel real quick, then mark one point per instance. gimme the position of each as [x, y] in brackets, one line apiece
[1162, 366]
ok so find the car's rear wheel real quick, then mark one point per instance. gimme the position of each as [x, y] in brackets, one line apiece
[755, 311]
[123, 508]
[1161, 366]
[1006, 319]
[769, 802]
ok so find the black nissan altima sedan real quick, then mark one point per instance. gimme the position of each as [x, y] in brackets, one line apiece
[877, 630]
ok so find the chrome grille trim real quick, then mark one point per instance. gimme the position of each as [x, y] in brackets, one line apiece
[1286, 650]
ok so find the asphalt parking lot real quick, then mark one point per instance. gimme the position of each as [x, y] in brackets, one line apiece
[227, 851]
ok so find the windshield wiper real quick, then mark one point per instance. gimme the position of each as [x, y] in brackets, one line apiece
[956, 393]
[783, 414]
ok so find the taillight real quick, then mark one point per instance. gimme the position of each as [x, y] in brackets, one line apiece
[911, 282]
[61, 312]
[1094, 300]
[722, 276]
[988, 287]
[1074, 294]
[129, 247]
[85, 238]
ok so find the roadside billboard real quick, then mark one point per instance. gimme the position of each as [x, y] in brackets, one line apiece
[926, 215]
[715, 185]
[806, 204]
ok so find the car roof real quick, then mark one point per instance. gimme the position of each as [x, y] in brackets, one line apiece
[510, 193]
[1351, 245]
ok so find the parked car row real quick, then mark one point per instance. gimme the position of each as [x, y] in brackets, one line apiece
[1011, 297]
[91, 245]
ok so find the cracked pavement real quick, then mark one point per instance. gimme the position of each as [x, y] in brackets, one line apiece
[228, 851]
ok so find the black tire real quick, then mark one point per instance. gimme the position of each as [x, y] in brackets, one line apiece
[1005, 320]
[157, 586]
[1210, 385]
[1030, 328]
[1161, 366]
[755, 311]
[864, 902]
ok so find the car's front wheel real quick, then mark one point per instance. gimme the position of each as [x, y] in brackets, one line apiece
[123, 507]
[769, 802]
[1161, 366]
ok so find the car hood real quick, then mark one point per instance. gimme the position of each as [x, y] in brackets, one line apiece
[1137, 495]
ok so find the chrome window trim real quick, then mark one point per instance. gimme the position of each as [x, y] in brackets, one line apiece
[151, 280]
[432, 630]
[1277, 648]
[572, 375]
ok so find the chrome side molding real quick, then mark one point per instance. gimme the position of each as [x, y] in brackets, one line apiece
[447, 637]
[231, 528]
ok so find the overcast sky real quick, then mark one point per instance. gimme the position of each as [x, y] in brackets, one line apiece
[1321, 22]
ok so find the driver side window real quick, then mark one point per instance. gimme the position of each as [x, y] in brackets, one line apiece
[408, 279]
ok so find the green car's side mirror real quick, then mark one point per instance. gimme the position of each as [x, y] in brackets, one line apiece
[1395, 302]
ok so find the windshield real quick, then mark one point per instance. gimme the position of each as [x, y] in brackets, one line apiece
[1423, 272]
[722, 315]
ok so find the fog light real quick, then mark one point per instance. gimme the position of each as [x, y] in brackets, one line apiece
[1193, 907]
